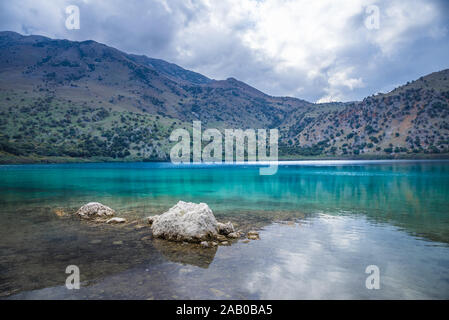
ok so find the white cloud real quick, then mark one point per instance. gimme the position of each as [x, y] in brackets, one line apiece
[338, 81]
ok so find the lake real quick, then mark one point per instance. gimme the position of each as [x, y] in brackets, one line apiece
[321, 223]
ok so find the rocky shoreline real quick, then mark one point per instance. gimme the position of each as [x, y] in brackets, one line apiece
[184, 222]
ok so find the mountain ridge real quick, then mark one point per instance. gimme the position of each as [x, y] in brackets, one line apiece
[105, 103]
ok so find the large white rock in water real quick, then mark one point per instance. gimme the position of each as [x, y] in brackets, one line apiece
[186, 221]
[95, 210]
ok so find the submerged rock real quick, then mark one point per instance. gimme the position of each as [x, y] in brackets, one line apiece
[253, 235]
[116, 220]
[94, 210]
[59, 212]
[146, 238]
[192, 254]
[185, 221]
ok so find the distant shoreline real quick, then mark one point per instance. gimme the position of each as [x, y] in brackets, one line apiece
[11, 160]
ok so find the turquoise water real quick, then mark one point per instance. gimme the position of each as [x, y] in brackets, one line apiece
[321, 224]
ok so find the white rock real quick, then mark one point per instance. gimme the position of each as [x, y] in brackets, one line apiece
[116, 220]
[94, 210]
[186, 221]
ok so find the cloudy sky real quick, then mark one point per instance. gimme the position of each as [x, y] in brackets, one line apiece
[318, 50]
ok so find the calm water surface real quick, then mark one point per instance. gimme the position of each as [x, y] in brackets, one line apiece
[322, 223]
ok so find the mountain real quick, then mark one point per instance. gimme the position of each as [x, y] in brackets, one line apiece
[133, 83]
[411, 119]
[63, 100]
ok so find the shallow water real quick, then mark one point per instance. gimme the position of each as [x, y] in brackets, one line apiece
[343, 216]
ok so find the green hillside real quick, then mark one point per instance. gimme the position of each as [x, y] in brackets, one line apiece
[82, 101]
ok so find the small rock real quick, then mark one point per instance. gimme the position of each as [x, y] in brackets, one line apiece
[152, 219]
[221, 237]
[234, 235]
[59, 212]
[116, 220]
[253, 235]
[139, 226]
[245, 241]
[225, 228]
[147, 238]
[95, 241]
[205, 244]
[224, 243]
[214, 243]
[117, 242]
